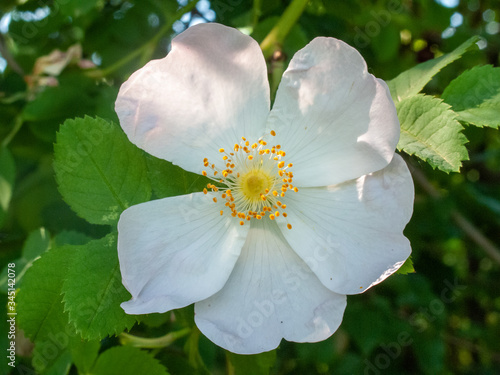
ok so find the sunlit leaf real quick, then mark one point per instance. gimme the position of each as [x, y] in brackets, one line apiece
[430, 131]
[412, 81]
[99, 172]
[475, 96]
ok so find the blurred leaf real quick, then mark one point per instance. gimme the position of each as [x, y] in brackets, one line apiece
[412, 81]
[429, 130]
[37, 243]
[76, 8]
[257, 364]
[126, 360]
[7, 176]
[93, 291]
[99, 172]
[475, 96]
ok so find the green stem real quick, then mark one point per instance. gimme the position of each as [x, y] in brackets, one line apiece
[277, 35]
[17, 126]
[151, 343]
[257, 5]
[146, 47]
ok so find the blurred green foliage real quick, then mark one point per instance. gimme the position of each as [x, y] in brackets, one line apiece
[443, 319]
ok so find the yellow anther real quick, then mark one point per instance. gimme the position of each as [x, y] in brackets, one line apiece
[285, 214]
[275, 193]
[278, 147]
[273, 133]
[215, 173]
[221, 150]
[247, 143]
[205, 164]
[295, 189]
[223, 196]
[290, 165]
[281, 164]
[283, 206]
[289, 226]
[204, 173]
[224, 173]
[271, 217]
[278, 203]
[242, 222]
[250, 157]
[243, 138]
[221, 212]
[224, 157]
[255, 145]
[277, 213]
[258, 217]
[236, 147]
[266, 191]
[214, 199]
[205, 191]
[282, 194]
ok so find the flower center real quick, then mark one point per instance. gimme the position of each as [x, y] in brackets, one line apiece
[253, 180]
[254, 183]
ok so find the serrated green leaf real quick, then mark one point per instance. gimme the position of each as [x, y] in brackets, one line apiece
[407, 267]
[413, 80]
[475, 96]
[93, 291]
[258, 364]
[39, 301]
[7, 175]
[38, 242]
[99, 172]
[430, 131]
[168, 180]
[126, 360]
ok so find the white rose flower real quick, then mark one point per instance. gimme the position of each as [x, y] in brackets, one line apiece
[308, 201]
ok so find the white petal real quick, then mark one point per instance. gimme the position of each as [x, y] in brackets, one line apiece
[270, 295]
[351, 235]
[334, 119]
[208, 92]
[176, 251]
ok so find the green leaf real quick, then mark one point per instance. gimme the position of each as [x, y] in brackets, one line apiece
[37, 243]
[51, 359]
[39, 301]
[407, 267]
[99, 172]
[258, 364]
[84, 353]
[413, 80]
[126, 360]
[430, 131]
[93, 291]
[168, 180]
[7, 175]
[475, 96]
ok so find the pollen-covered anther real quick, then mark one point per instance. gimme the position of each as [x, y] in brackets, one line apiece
[252, 178]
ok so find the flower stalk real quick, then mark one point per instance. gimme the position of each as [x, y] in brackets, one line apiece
[282, 28]
[153, 343]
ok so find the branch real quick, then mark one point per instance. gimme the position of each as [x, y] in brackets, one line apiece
[460, 220]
